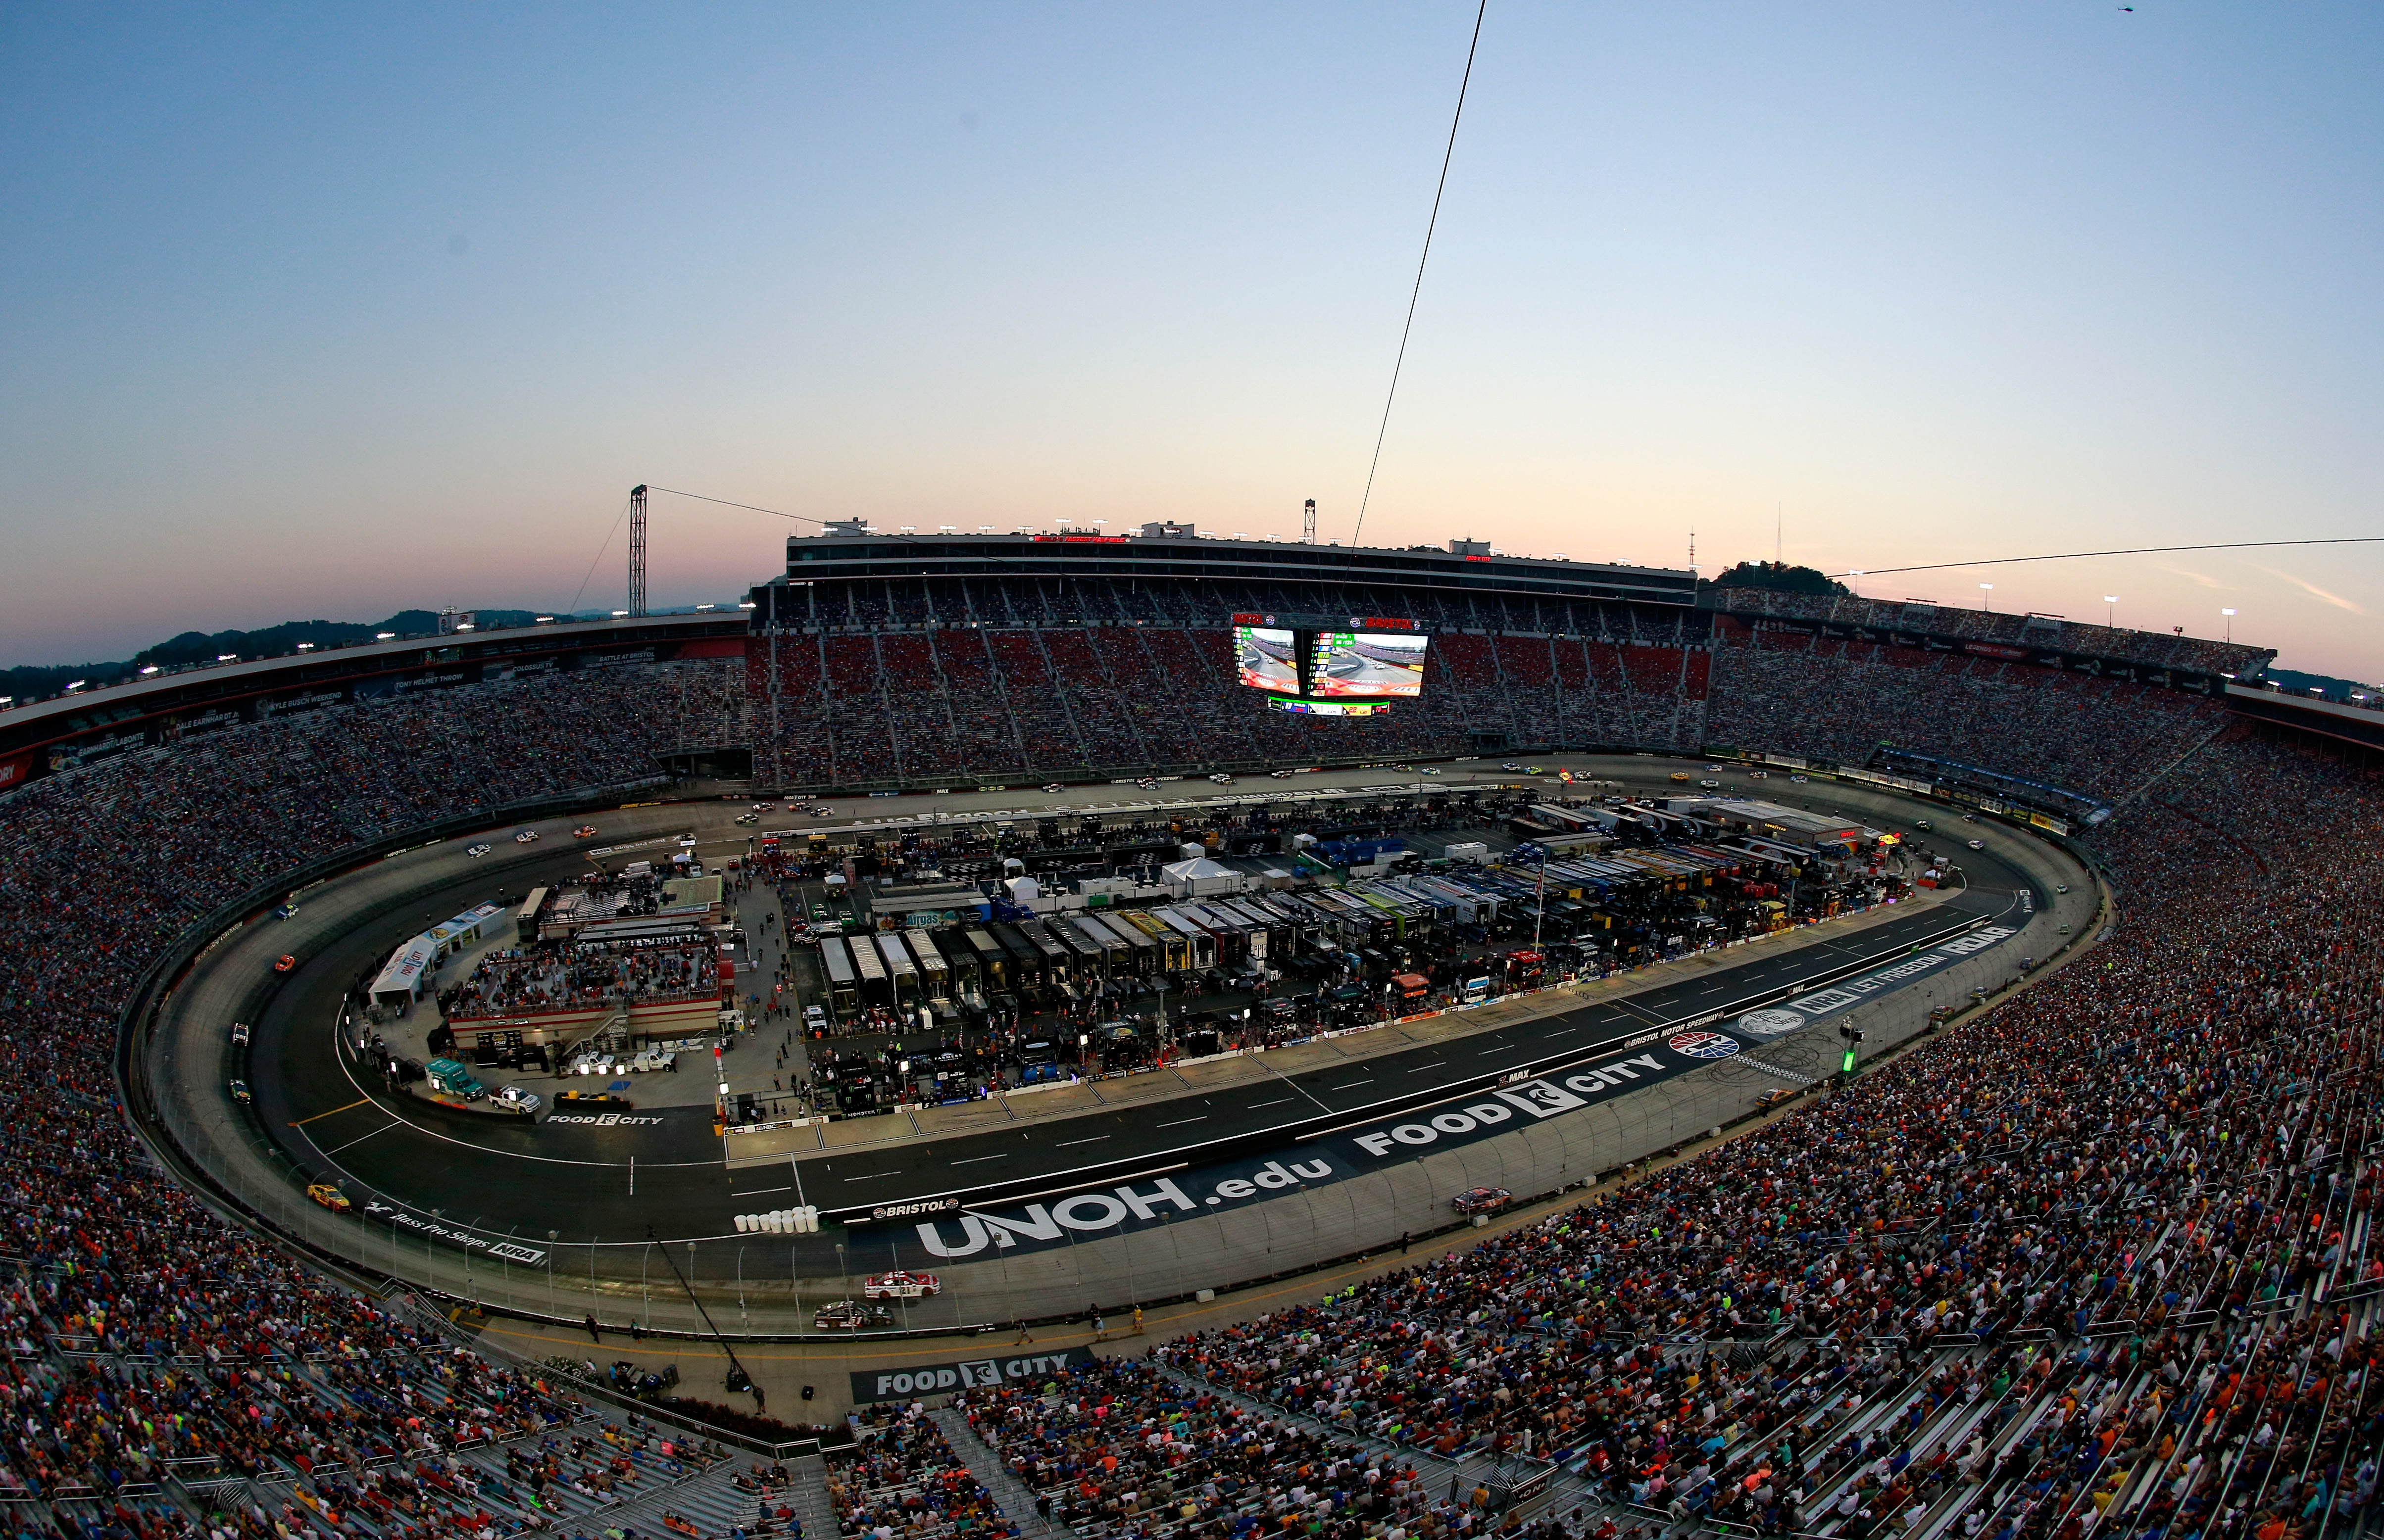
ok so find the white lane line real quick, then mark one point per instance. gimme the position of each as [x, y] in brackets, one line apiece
[1278, 1101]
[1071, 1143]
[762, 1192]
[1353, 1085]
[361, 1138]
[1177, 1123]
[973, 1159]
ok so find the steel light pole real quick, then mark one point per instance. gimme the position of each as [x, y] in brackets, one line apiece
[1984, 589]
[2109, 601]
[2230, 624]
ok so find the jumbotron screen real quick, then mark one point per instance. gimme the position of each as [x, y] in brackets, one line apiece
[1318, 665]
[1370, 664]
[1268, 658]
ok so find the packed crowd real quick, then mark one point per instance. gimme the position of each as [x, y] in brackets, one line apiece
[1838, 701]
[987, 702]
[900, 1480]
[1912, 616]
[147, 1336]
[2104, 1250]
[948, 604]
[1119, 1447]
[2160, 1138]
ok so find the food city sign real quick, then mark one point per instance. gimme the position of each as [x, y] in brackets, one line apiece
[937, 1379]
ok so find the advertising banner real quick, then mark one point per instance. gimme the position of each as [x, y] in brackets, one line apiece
[938, 1379]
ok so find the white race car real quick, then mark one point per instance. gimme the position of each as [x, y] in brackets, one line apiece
[900, 1286]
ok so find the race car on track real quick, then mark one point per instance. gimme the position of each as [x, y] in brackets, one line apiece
[476, 851]
[900, 1286]
[1977, 845]
[239, 1033]
[1054, 787]
[1681, 777]
[1280, 775]
[1481, 1199]
[585, 832]
[329, 1196]
[527, 836]
[239, 1089]
[849, 1315]
[288, 960]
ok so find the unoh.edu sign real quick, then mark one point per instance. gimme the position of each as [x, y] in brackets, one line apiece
[942, 1379]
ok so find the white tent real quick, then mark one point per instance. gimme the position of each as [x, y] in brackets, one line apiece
[1201, 876]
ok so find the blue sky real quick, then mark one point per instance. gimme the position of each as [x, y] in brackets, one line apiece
[316, 310]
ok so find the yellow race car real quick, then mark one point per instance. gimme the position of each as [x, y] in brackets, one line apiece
[329, 1196]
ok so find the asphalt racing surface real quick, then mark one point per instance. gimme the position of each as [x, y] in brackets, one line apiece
[1007, 1164]
[661, 1175]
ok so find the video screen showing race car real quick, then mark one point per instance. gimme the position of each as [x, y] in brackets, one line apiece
[1268, 658]
[1372, 663]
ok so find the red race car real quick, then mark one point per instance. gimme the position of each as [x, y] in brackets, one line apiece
[288, 960]
[1481, 1199]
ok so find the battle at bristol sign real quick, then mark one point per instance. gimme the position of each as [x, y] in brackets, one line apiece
[1777, 1021]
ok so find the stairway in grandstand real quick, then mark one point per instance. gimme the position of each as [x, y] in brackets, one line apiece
[1017, 1504]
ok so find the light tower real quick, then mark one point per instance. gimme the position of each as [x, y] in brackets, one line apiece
[1308, 524]
[637, 550]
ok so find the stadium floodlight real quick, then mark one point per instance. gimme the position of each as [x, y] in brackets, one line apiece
[73, 687]
[984, 529]
[227, 658]
[305, 646]
[544, 620]
[947, 529]
[1984, 589]
[6, 700]
[2230, 624]
[384, 635]
[744, 604]
[1854, 572]
[618, 613]
[466, 625]
[2108, 601]
[150, 670]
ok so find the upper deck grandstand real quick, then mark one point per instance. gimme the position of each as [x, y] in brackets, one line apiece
[2103, 1249]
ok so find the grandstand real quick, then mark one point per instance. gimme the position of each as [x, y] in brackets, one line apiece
[2099, 1259]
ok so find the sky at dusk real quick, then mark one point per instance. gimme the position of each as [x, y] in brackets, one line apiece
[333, 311]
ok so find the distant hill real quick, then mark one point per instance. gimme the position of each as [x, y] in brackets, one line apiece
[30, 682]
[1780, 577]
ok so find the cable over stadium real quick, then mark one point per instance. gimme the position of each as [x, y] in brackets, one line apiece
[1677, 1059]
